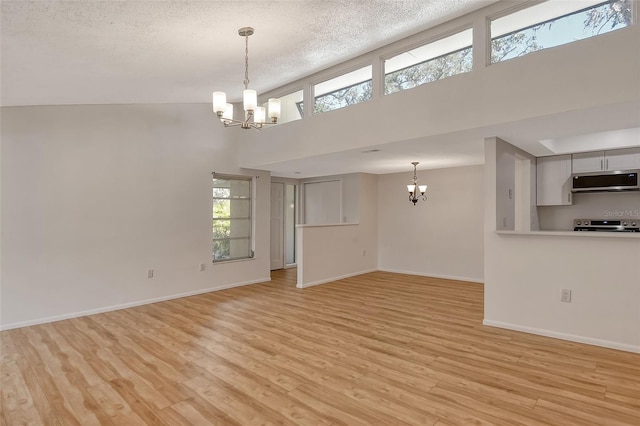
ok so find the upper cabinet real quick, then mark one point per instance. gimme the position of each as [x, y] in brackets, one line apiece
[598, 161]
[553, 179]
[622, 159]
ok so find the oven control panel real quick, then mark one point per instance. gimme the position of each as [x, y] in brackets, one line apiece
[607, 225]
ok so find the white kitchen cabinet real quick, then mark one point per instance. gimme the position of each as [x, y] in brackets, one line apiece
[553, 180]
[585, 162]
[622, 159]
[598, 161]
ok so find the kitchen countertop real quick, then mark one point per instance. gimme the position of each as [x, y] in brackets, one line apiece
[574, 234]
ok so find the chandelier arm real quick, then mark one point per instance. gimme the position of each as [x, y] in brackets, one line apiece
[247, 124]
[248, 115]
[232, 123]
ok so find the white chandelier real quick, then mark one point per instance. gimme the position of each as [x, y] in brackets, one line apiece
[413, 187]
[254, 115]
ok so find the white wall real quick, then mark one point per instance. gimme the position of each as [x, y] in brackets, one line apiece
[440, 237]
[525, 273]
[515, 188]
[368, 217]
[328, 252]
[94, 196]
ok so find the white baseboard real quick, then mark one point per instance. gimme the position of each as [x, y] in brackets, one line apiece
[126, 305]
[564, 336]
[328, 280]
[422, 274]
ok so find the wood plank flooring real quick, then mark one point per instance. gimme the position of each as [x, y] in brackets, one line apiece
[377, 349]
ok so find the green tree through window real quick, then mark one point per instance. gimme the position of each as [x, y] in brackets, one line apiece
[425, 72]
[231, 217]
[588, 22]
[581, 24]
[344, 97]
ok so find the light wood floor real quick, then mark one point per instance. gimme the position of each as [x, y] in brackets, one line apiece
[378, 349]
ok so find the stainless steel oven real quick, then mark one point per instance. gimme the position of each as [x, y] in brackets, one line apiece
[607, 225]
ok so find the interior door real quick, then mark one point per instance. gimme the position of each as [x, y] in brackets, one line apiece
[277, 225]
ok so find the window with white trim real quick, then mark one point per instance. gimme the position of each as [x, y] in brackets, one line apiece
[232, 233]
[554, 23]
[345, 90]
[430, 62]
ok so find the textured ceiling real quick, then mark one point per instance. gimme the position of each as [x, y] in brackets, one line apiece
[120, 52]
[96, 52]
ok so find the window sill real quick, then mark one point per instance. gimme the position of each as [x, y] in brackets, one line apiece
[304, 225]
[222, 262]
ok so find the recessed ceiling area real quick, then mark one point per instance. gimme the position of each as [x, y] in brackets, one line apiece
[433, 153]
[611, 126]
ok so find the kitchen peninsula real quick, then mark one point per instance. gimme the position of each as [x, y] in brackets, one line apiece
[527, 269]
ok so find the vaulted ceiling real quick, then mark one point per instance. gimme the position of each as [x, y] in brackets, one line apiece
[113, 52]
[73, 52]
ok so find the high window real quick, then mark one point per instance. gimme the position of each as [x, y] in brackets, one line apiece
[433, 61]
[553, 23]
[232, 236]
[347, 89]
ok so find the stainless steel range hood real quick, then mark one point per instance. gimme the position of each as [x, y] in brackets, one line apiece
[614, 181]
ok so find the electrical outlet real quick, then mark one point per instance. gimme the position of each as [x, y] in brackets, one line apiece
[150, 273]
[364, 253]
[202, 267]
[565, 296]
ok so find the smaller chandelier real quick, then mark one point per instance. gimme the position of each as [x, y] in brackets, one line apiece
[413, 187]
[254, 115]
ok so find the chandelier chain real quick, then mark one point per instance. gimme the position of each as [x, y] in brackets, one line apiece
[246, 61]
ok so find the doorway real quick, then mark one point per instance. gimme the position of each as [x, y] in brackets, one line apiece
[290, 225]
[283, 225]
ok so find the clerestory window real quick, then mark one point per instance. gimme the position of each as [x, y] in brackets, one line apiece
[554, 23]
[430, 62]
[348, 89]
